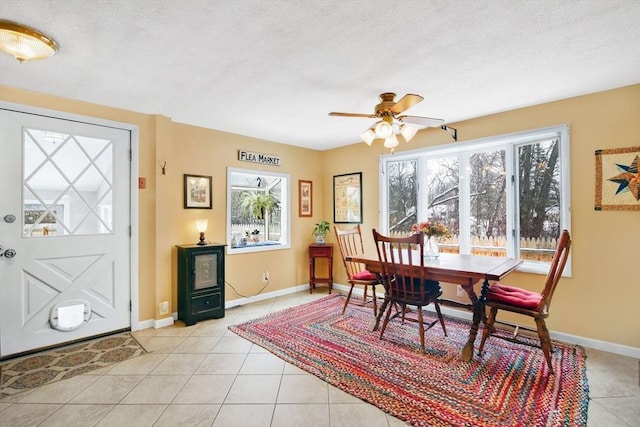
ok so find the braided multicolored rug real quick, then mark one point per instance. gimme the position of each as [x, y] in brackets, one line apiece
[508, 386]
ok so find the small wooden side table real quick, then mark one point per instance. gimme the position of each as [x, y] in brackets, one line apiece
[320, 251]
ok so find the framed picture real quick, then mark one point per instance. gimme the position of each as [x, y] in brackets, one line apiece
[197, 192]
[617, 186]
[347, 198]
[305, 198]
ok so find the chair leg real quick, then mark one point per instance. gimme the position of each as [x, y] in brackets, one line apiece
[347, 300]
[444, 329]
[421, 329]
[386, 321]
[545, 341]
[375, 300]
[488, 326]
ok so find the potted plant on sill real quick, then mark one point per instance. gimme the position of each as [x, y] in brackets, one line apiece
[320, 231]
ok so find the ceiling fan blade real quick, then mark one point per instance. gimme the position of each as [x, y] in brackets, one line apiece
[406, 102]
[368, 116]
[421, 121]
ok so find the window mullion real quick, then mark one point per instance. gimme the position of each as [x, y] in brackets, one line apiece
[464, 204]
[513, 215]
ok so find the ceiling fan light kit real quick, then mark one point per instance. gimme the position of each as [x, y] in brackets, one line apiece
[390, 124]
[24, 43]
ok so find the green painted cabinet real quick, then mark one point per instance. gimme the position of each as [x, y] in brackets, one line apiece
[200, 282]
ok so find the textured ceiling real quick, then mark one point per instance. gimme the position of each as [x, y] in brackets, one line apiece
[273, 69]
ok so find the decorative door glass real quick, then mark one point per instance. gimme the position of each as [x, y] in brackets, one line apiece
[67, 184]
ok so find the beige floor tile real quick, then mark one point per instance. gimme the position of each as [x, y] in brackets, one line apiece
[232, 344]
[205, 389]
[599, 416]
[78, 415]
[262, 363]
[162, 344]
[156, 389]
[26, 415]
[338, 396]
[301, 415]
[188, 416]
[178, 329]
[132, 415]
[197, 344]
[394, 422]
[61, 391]
[357, 415]
[211, 328]
[255, 348]
[303, 389]
[141, 365]
[222, 363]
[251, 389]
[290, 369]
[250, 416]
[4, 405]
[179, 364]
[108, 389]
[625, 408]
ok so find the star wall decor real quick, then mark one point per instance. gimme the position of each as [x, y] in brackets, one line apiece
[629, 180]
[618, 179]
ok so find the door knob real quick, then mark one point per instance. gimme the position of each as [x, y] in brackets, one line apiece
[9, 253]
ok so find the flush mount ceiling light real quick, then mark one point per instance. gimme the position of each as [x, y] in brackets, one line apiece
[24, 43]
[390, 123]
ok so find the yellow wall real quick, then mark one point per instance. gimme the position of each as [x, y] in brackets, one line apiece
[601, 300]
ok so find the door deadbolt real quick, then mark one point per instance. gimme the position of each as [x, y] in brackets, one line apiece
[9, 253]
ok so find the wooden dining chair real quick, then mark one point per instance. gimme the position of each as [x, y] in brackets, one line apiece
[528, 303]
[403, 274]
[351, 244]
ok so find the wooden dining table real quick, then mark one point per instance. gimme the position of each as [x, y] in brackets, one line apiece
[455, 269]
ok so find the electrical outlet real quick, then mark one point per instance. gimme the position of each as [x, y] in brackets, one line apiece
[265, 277]
[164, 307]
[460, 292]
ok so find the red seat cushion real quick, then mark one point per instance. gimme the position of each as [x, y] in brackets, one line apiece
[364, 275]
[514, 296]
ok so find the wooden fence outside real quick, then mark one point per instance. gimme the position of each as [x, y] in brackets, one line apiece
[539, 249]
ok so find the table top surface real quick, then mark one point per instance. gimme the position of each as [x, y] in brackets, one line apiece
[467, 266]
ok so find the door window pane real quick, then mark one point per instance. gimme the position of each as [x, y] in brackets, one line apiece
[67, 186]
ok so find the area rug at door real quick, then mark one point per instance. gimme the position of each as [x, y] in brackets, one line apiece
[61, 363]
[509, 385]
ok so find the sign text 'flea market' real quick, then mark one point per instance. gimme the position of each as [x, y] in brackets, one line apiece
[265, 159]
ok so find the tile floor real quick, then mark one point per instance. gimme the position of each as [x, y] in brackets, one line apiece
[171, 385]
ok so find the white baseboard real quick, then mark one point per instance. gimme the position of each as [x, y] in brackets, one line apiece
[610, 347]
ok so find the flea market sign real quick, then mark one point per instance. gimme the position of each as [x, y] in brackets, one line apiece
[265, 159]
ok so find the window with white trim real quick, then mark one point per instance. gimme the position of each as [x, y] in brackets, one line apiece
[502, 196]
[258, 211]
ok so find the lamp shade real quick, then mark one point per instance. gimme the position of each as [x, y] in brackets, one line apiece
[201, 225]
[24, 43]
[383, 130]
[408, 132]
[391, 142]
[368, 136]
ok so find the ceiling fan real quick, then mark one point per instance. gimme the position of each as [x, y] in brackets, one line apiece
[388, 111]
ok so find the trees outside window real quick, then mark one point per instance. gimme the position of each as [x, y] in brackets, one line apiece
[502, 196]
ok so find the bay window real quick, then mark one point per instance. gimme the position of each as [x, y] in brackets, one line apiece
[501, 196]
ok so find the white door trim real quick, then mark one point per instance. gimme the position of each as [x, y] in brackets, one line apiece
[133, 185]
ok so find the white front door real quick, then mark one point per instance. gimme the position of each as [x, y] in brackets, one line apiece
[64, 230]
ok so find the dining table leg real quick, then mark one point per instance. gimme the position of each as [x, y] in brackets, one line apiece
[375, 322]
[478, 316]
